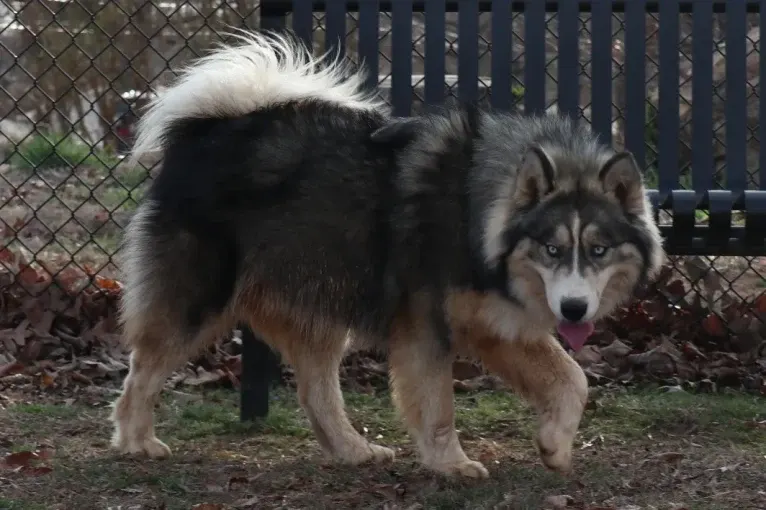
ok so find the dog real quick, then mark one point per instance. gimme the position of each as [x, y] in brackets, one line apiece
[289, 198]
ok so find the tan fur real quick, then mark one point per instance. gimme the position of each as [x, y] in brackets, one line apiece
[541, 372]
[155, 356]
[421, 378]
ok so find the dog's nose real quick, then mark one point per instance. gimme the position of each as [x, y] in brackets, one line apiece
[574, 309]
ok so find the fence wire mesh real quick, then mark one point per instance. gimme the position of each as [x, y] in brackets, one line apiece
[75, 74]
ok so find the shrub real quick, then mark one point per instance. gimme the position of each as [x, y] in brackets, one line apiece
[43, 150]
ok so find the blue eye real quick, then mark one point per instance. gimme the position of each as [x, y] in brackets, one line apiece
[553, 251]
[598, 251]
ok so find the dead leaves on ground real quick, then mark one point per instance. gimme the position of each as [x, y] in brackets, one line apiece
[59, 332]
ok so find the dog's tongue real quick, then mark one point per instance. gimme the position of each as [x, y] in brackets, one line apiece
[576, 334]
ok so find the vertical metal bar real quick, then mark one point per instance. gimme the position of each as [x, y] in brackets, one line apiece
[736, 95]
[259, 368]
[762, 99]
[369, 26]
[272, 17]
[335, 28]
[435, 16]
[635, 79]
[601, 69]
[569, 58]
[534, 56]
[259, 363]
[468, 51]
[401, 57]
[502, 53]
[303, 22]
[667, 146]
[702, 96]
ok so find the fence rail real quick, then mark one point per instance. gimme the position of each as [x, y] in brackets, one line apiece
[74, 75]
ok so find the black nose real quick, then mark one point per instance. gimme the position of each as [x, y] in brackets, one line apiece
[573, 309]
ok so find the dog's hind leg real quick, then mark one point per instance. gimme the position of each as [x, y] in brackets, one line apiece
[541, 372]
[421, 379]
[315, 358]
[156, 353]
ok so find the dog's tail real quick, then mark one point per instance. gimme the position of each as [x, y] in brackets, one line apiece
[236, 79]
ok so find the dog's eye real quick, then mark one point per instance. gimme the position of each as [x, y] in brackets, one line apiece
[598, 251]
[553, 251]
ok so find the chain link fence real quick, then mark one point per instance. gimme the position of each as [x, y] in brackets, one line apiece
[75, 74]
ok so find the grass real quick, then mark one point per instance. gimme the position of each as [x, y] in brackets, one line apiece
[54, 150]
[634, 447]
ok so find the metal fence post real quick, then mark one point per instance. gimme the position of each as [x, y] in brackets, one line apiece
[260, 364]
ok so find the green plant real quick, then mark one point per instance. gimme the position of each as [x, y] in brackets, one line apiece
[56, 150]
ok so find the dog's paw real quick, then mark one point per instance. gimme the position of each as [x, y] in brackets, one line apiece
[555, 450]
[381, 454]
[365, 454]
[466, 468]
[559, 460]
[150, 446]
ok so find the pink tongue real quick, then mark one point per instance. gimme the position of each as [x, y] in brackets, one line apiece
[576, 334]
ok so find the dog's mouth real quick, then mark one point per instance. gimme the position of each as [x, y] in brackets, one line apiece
[575, 333]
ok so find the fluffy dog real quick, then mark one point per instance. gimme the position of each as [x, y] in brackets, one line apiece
[289, 199]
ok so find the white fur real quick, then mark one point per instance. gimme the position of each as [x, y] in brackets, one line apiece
[138, 294]
[236, 79]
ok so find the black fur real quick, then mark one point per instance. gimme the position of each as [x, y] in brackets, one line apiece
[307, 200]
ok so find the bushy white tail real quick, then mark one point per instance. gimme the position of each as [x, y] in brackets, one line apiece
[236, 79]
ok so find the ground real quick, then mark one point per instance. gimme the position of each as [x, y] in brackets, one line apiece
[636, 449]
[691, 441]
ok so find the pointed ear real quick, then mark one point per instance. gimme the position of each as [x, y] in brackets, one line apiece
[621, 179]
[397, 133]
[534, 180]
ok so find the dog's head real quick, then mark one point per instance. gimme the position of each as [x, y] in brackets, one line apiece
[576, 241]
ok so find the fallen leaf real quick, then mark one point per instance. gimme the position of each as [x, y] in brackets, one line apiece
[615, 352]
[483, 382]
[588, 355]
[559, 501]
[107, 284]
[19, 459]
[47, 380]
[204, 377]
[760, 304]
[713, 325]
[208, 506]
[11, 369]
[28, 462]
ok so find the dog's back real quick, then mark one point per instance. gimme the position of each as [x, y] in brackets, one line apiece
[271, 197]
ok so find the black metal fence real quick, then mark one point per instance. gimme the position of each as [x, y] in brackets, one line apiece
[683, 95]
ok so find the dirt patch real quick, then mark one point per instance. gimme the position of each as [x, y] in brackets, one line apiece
[647, 449]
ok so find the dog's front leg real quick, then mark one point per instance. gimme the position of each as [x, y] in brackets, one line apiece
[542, 372]
[421, 379]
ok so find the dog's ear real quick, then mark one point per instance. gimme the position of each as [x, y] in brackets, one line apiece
[534, 180]
[397, 133]
[621, 179]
